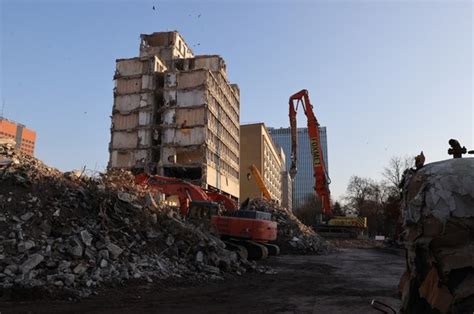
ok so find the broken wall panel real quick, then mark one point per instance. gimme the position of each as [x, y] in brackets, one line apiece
[127, 103]
[129, 67]
[125, 139]
[128, 86]
[184, 137]
[191, 79]
[191, 98]
[125, 122]
[175, 117]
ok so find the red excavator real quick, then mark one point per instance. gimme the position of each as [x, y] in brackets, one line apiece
[321, 177]
[246, 231]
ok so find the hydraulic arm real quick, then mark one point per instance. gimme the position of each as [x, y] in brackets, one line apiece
[322, 181]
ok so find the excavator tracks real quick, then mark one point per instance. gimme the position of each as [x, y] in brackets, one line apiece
[252, 250]
[273, 249]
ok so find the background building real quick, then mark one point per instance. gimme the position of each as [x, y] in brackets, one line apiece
[286, 182]
[303, 183]
[176, 114]
[258, 148]
[24, 138]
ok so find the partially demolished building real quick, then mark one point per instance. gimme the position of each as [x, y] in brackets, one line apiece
[176, 114]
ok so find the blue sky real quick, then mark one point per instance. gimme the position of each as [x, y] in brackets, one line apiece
[386, 77]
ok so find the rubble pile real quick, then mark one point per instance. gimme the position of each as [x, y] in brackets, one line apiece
[293, 235]
[67, 233]
[438, 212]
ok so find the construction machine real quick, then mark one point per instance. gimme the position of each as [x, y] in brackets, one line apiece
[246, 231]
[336, 226]
[260, 182]
[321, 177]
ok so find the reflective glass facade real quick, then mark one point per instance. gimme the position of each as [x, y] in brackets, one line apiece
[303, 184]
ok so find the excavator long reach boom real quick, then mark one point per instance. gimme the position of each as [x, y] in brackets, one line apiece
[260, 182]
[321, 178]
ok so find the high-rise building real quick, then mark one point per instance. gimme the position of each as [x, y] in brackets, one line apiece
[303, 183]
[176, 115]
[257, 148]
[24, 138]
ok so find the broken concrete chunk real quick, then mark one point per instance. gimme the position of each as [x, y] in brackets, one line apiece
[76, 250]
[80, 269]
[124, 197]
[103, 263]
[69, 279]
[115, 250]
[25, 246]
[86, 237]
[104, 254]
[438, 296]
[11, 270]
[64, 266]
[33, 261]
[200, 257]
[27, 216]
[169, 240]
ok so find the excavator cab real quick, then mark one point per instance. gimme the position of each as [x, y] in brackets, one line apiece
[203, 210]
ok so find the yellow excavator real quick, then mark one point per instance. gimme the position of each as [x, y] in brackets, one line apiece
[260, 182]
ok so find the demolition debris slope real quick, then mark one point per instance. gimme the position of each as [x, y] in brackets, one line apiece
[68, 234]
[438, 212]
[293, 235]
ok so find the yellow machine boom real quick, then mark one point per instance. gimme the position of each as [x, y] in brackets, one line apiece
[259, 180]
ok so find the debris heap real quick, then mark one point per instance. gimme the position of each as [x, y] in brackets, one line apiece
[67, 234]
[293, 235]
[438, 209]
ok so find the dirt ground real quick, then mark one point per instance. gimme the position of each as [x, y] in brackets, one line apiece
[341, 282]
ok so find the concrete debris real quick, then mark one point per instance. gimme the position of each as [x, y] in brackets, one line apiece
[86, 237]
[293, 235]
[31, 263]
[27, 216]
[115, 250]
[25, 246]
[76, 233]
[438, 212]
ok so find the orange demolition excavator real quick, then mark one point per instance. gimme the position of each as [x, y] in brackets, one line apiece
[246, 231]
[320, 174]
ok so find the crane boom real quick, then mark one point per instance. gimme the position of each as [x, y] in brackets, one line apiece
[321, 178]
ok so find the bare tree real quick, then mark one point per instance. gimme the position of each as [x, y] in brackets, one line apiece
[361, 190]
[394, 171]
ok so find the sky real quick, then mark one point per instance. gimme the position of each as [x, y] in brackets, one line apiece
[387, 78]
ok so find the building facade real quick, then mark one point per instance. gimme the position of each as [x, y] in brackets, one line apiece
[303, 183]
[257, 148]
[176, 115]
[24, 138]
